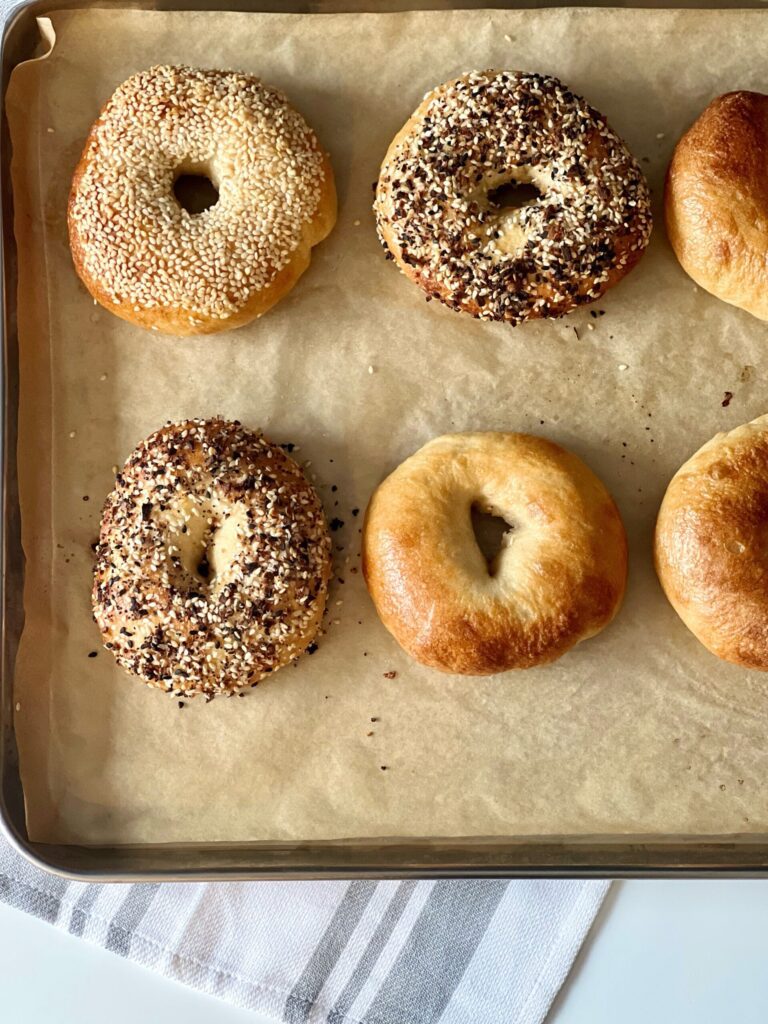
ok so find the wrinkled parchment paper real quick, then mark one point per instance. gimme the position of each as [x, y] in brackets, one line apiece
[638, 730]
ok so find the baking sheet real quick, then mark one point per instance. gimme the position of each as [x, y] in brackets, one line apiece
[636, 731]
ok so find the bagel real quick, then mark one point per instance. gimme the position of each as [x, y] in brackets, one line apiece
[711, 544]
[147, 259]
[558, 578]
[716, 201]
[439, 217]
[213, 560]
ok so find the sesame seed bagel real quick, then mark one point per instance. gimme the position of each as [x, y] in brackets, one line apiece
[558, 578]
[711, 544]
[213, 560]
[716, 201]
[150, 261]
[440, 218]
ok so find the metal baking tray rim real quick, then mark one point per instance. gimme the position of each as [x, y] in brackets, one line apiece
[621, 856]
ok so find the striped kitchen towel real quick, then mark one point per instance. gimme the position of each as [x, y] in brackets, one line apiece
[457, 952]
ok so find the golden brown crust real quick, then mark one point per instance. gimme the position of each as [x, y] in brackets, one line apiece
[213, 560]
[711, 544]
[716, 200]
[437, 218]
[157, 299]
[558, 579]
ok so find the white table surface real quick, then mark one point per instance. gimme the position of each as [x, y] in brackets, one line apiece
[660, 952]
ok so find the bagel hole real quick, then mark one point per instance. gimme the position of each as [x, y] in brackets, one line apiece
[513, 195]
[204, 541]
[195, 193]
[490, 531]
[198, 555]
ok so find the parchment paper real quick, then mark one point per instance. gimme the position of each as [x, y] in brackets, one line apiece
[638, 730]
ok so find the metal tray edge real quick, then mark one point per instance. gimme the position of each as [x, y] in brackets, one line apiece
[743, 855]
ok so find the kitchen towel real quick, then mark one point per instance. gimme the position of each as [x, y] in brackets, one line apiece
[470, 951]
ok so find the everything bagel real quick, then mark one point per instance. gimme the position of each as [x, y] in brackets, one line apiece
[213, 560]
[438, 217]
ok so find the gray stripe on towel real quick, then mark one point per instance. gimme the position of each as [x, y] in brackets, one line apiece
[129, 916]
[328, 950]
[372, 952]
[45, 904]
[82, 909]
[437, 952]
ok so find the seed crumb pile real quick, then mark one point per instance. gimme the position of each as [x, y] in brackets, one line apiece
[213, 560]
[438, 217]
[139, 251]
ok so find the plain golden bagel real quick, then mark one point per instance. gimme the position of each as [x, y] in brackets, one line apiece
[145, 257]
[442, 217]
[213, 560]
[558, 578]
[716, 201]
[711, 545]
